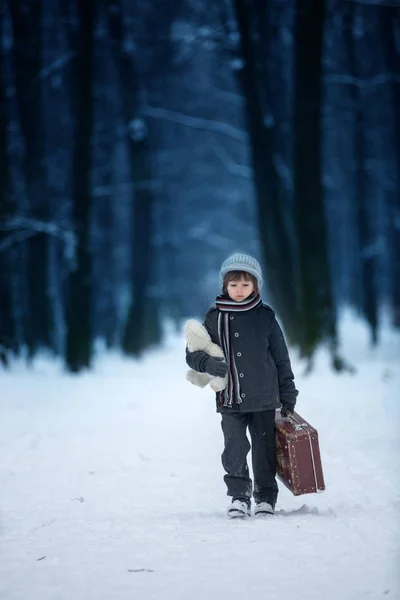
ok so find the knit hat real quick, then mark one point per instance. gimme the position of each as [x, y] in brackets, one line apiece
[241, 262]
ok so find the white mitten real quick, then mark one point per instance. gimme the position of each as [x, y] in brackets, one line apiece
[198, 338]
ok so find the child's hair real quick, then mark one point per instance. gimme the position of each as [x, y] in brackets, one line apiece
[236, 276]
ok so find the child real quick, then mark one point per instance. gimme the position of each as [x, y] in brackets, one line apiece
[260, 379]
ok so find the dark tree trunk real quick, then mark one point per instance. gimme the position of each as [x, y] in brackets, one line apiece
[142, 321]
[105, 302]
[276, 241]
[58, 138]
[390, 19]
[317, 319]
[79, 338]
[27, 24]
[368, 296]
[7, 326]
[105, 203]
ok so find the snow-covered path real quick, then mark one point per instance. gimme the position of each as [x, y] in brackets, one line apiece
[111, 488]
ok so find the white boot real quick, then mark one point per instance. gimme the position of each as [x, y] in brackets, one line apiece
[263, 508]
[238, 508]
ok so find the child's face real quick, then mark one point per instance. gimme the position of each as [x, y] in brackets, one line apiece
[239, 290]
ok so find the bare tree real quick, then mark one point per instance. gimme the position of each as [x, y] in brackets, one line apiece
[106, 201]
[317, 318]
[276, 240]
[27, 46]
[7, 333]
[390, 20]
[141, 328]
[78, 313]
[365, 229]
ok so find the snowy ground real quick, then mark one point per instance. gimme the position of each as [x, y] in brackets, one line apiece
[111, 487]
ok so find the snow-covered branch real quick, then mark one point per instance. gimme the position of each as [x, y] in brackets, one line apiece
[362, 83]
[22, 228]
[105, 191]
[232, 97]
[229, 164]
[15, 238]
[283, 171]
[386, 3]
[56, 65]
[196, 122]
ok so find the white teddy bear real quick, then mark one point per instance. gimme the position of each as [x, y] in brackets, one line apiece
[198, 338]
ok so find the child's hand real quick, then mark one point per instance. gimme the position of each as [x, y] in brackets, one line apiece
[216, 367]
[286, 411]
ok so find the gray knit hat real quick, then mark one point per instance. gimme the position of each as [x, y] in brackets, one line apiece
[241, 262]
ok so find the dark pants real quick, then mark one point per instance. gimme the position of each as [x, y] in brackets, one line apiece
[263, 453]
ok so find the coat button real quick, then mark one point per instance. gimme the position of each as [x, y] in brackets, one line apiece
[231, 318]
[243, 395]
[241, 375]
[236, 335]
[239, 354]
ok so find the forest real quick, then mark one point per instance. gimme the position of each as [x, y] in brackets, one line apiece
[142, 142]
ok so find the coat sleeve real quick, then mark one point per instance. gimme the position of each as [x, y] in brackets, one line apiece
[196, 360]
[280, 354]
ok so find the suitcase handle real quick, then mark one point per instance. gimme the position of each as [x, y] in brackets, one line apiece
[297, 424]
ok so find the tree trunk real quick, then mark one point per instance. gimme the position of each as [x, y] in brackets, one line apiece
[79, 338]
[276, 241]
[142, 321]
[7, 326]
[390, 17]
[317, 318]
[59, 134]
[105, 203]
[368, 296]
[27, 24]
[106, 308]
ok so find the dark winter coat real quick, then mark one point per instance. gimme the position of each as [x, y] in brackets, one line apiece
[261, 357]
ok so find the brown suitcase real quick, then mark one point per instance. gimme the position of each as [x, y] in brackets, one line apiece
[299, 465]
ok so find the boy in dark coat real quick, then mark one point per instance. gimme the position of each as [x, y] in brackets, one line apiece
[260, 380]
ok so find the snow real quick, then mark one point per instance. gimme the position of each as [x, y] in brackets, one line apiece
[111, 486]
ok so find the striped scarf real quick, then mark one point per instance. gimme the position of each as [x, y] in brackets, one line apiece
[231, 394]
